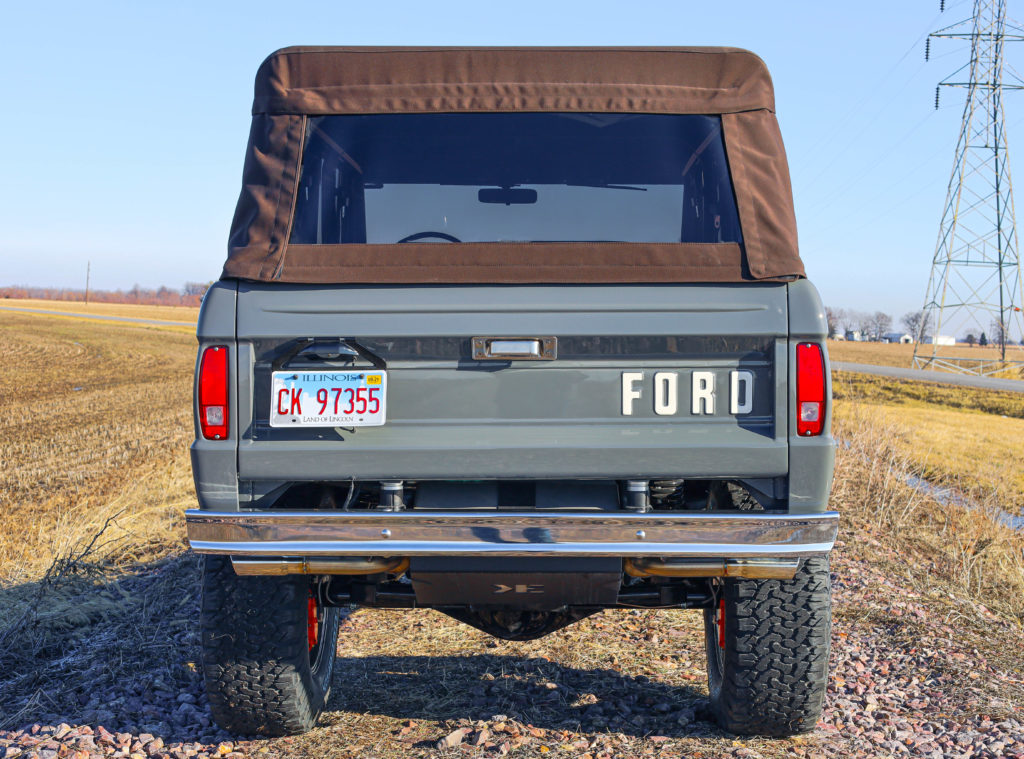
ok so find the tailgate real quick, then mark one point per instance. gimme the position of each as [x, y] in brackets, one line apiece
[617, 400]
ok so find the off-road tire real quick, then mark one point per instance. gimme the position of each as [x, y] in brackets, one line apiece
[261, 676]
[770, 677]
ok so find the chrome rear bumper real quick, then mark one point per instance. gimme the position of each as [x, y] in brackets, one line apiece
[731, 535]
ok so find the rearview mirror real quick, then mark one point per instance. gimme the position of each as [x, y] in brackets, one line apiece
[507, 195]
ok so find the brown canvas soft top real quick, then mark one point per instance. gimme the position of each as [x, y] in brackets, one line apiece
[296, 83]
[324, 80]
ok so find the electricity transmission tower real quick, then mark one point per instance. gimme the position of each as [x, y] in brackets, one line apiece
[975, 283]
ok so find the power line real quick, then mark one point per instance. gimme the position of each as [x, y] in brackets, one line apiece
[828, 199]
[828, 135]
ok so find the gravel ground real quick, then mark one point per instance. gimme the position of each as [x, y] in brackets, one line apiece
[915, 673]
[908, 678]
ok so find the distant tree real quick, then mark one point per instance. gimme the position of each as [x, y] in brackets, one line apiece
[848, 319]
[196, 288]
[162, 296]
[165, 296]
[916, 323]
[834, 317]
[970, 339]
[869, 327]
[983, 340]
[881, 323]
[862, 322]
[999, 332]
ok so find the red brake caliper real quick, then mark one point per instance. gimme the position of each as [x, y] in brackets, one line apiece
[312, 623]
[720, 623]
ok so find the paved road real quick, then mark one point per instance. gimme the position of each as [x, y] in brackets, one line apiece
[920, 375]
[157, 322]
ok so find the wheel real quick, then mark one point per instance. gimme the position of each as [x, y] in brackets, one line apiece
[268, 650]
[768, 645]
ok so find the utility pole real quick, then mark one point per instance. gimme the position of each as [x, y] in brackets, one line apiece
[975, 281]
[88, 266]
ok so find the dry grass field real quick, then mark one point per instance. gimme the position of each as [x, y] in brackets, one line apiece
[893, 354]
[940, 542]
[965, 438]
[95, 421]
[161, 313]
[94, 428]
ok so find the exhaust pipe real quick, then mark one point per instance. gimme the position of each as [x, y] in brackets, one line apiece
[758, 569]
[350, 565]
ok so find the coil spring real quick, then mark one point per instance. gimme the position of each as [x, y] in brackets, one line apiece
[668, 494]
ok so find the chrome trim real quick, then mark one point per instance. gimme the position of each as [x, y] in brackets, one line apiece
[732, 535]
[344, 565]
[761, 569]
[490, 349]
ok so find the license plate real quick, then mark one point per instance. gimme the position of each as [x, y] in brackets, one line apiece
[328, 399]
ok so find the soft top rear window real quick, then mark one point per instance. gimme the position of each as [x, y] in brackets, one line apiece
[522, 177]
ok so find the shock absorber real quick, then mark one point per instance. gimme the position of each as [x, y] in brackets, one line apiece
[636, 496]
[392, 495]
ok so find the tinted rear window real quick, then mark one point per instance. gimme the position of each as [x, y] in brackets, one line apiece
[530, 177]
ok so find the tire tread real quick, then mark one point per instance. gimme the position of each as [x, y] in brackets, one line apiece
[255, 656]
[775, 662]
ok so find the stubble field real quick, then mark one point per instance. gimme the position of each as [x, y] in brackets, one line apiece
[98, 645]
[94, 421]
[161, 313]
[894, 354]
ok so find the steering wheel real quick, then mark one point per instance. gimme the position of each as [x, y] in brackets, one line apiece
[423, 235]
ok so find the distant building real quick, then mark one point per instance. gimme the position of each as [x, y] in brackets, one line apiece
[897, 337]
[854, 334]
[939, 340]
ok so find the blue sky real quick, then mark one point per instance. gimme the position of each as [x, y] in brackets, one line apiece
[124, 124]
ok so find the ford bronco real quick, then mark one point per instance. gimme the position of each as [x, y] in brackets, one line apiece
[518, 335]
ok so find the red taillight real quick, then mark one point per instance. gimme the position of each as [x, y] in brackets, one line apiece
[213, 393]
[810, 389]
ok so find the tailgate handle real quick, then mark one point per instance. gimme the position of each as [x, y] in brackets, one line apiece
[515, 348]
